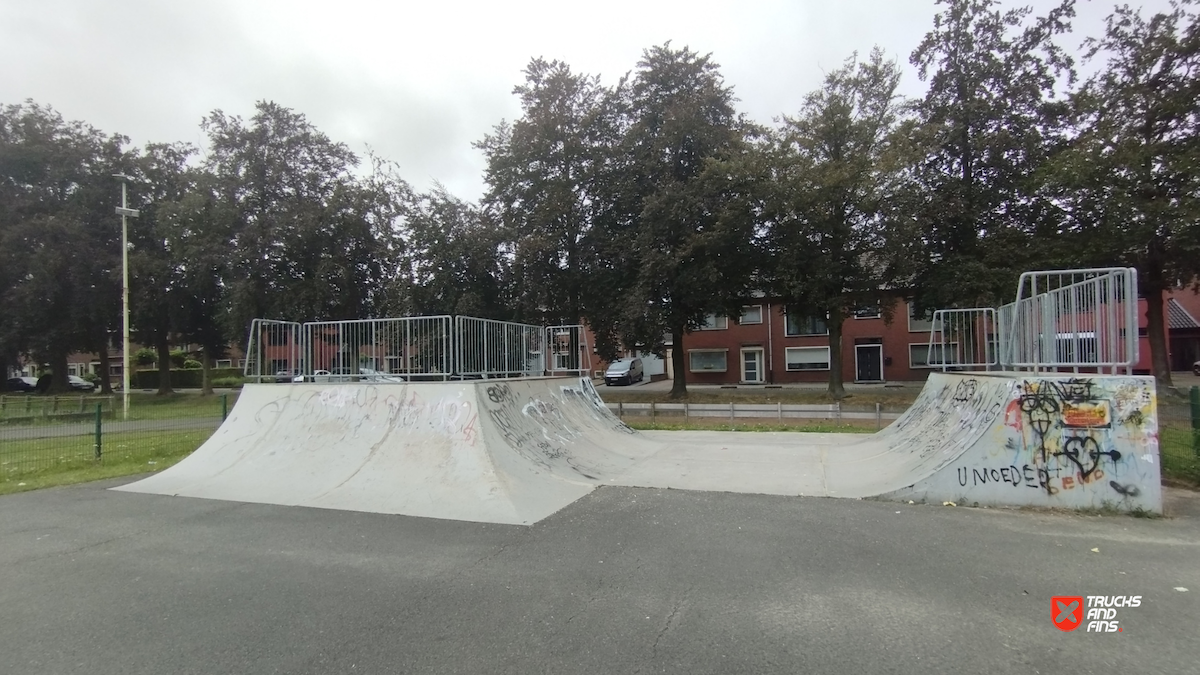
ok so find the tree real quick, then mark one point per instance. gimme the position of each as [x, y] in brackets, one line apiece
[676, 234]
[989, 122]
[302, 246]
[59, 235]
[1131, 176]
[834, 168]
[454, 264]
[157, 294]
[542, 174]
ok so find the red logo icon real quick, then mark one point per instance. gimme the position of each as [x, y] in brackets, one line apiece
[1066, 611]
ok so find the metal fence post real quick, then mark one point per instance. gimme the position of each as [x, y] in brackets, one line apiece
[653, 415]
[878, 416]
[224, 406]
[620, 410]
[731, 412]
[99, 426]
[1194, 397]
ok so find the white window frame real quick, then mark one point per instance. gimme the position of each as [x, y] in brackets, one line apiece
[918, 329]
[228, 363]
[787, 364]
[762, 359]
[805, 316]
[912, 366]
[742, 319]
[722, 352]
[714, 322]
[858, 363]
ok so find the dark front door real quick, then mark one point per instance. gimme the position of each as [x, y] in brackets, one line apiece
[868, 363]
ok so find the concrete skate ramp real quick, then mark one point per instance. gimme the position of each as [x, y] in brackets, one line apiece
[502, 451]
[990, 439]
[516, 451]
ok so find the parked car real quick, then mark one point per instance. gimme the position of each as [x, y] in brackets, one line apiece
[317, 376]
[624, 371]
[1196, 369]
[285, 376]
[79, 384]
[22, 384]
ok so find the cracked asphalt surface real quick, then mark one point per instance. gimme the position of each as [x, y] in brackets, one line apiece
[623, 581]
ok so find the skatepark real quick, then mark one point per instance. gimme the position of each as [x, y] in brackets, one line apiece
[517, 451]
[507, 522]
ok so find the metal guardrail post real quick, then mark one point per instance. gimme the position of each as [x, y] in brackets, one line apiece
[99, 428]
[878, 416]
[653, 412]
[1194, 399]
[620, 410]
[224, 406]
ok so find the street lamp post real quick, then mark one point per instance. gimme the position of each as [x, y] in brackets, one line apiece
[125, 213]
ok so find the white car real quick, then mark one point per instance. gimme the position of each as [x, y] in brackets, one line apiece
[317, 376]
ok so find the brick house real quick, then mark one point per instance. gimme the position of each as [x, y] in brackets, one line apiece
[769, 345]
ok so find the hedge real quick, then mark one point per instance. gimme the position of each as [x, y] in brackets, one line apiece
[180, 378]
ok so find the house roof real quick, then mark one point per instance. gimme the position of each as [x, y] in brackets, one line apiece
[1179, 318]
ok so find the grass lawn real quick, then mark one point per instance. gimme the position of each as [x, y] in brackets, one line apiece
[38, 463]
[891, 399]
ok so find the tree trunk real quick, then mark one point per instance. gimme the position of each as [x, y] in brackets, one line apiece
[164, 365]
[1159, 363]
[105, 368]
[837, 389]
[206, 373]
[59, 384]
[678, 363]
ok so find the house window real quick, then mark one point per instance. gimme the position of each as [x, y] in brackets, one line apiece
[276, 338]
[751, 314]
[924, 355]
[808, 358]
[867, 312]
[714, 322]
[799, 324]
[919, 324]
[224, 363]
[707, 360]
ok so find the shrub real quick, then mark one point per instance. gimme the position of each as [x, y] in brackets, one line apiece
[182, 378]
[192, 364]
[228, 382]
[145, 357]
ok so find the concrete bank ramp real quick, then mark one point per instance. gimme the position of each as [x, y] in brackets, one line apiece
[511, 451]
[516, 451]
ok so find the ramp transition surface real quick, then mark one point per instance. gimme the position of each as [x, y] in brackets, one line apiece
[516, 451]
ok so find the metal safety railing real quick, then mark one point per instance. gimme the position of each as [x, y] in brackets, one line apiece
[569, 352]
[490, 348]
[397, 349]
[964, 338]
[273, 350]
[1084, 318]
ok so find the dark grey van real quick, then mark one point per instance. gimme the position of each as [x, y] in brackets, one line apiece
[624, 371]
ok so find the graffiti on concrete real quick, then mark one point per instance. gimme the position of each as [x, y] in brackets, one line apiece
[951, 419]
[1071, 433]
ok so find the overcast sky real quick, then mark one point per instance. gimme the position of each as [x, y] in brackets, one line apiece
[418, 82]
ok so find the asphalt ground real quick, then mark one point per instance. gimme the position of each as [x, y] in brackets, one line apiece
[623, 581]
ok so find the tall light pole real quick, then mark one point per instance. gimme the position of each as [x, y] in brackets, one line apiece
[125, 213]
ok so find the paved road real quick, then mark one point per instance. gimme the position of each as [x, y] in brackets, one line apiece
[18, 433]
[623, 581]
